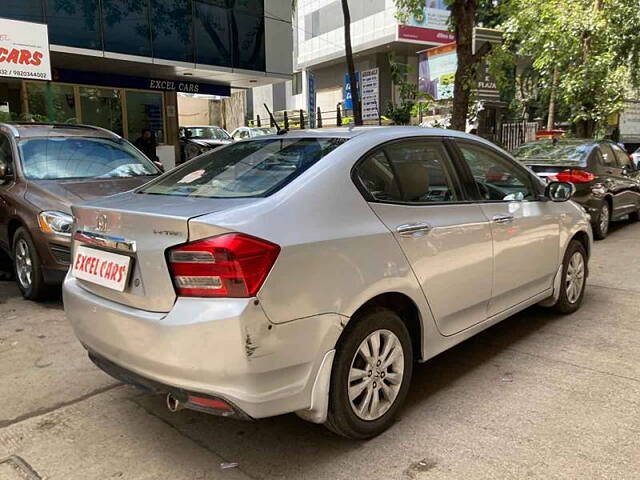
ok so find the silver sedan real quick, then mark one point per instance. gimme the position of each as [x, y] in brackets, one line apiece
[307, 272]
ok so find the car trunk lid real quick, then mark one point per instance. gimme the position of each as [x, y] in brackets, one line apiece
[143, 227]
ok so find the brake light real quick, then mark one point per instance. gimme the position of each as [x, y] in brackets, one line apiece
[575, 176]
[230, 265]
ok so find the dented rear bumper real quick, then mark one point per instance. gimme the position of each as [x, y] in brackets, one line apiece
[224, 348]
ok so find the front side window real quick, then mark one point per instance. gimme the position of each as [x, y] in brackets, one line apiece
[621, 156]
[254, 168]
[495, 177]
[409, 172]
[56, 158]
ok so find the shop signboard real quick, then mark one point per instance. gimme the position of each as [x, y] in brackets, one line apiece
[311, 98]
[144, 83]
[348, 102]
[370, 88]
[24, 50]
[429, 26]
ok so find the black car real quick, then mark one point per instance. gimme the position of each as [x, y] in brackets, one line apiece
[607, 181]
[195, 140]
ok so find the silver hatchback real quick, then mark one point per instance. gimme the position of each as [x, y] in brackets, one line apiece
[307, 272]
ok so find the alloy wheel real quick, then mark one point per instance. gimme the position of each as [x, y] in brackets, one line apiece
[575, 277]
[376, 374]
[24, 263]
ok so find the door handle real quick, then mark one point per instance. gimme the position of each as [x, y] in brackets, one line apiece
[413, 229]
[503, 218]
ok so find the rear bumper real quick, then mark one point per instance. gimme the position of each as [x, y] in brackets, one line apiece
[224, 348]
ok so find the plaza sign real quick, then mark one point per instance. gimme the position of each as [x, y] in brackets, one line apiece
[24, 50]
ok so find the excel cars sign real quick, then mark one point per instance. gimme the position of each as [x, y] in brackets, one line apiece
[24, 50]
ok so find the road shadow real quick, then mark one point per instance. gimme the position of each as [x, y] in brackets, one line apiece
[283, 445]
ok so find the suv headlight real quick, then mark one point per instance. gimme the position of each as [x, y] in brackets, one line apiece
[58, 223]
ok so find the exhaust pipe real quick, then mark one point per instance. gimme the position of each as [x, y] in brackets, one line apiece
[173, 404]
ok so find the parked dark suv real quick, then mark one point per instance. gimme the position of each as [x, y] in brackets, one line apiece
[607, 180]
[45, 168]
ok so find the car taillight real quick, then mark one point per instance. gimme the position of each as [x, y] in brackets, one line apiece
[575, 176]
[230, 265]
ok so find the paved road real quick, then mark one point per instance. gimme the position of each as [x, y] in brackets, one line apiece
[538, 396]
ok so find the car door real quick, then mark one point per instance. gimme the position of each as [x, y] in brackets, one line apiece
[525, 228]
[629, 181]
[612, 178]
[412, 187]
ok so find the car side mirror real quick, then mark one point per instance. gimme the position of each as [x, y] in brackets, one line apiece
[559, 191]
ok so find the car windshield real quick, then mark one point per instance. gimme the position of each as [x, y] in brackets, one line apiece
[263, 131]
[207, 133]
[54, 158]
[253, 168]
[554, 153]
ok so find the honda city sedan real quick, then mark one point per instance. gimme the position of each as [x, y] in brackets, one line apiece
[307, 272]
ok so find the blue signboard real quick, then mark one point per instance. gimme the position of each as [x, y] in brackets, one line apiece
[143, 83]
[311, 98]
[348, 102]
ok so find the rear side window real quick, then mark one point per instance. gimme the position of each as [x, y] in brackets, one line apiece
[409, 172]
[608, 157]
[254, 168]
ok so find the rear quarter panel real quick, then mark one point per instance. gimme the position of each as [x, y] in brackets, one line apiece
[336, 253]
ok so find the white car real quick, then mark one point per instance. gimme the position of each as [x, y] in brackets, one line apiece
[243, 133]
[307, 272]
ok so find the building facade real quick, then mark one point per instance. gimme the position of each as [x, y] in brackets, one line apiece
[120, 64]
[375, 33]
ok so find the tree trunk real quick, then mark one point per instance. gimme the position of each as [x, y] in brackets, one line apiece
[463, 14]
[551, 119]
[353, 81]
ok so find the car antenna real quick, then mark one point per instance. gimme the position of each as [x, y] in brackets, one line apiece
[280, 131]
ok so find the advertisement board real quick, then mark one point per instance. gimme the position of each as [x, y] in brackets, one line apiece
[437, 70]
[429, 26]
[370, 87]
[24, 50]
[348, 102]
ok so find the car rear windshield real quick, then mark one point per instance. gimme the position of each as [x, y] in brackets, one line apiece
[254, 168]
[559, 153]
[56, 158]
[207, 133]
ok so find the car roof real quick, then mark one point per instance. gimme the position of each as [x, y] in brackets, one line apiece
[382, 132]
[201, 126]
[31, 130]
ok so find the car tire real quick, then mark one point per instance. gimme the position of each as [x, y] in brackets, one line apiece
[574, 269]
[27, 267]
[373, 410]
[601, 226]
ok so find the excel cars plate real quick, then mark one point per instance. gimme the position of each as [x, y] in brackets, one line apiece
[103, 268]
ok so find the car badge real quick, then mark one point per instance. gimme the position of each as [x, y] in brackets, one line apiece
[102, 223]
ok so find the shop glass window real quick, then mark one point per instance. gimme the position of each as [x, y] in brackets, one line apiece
[25, 10]
[248, 43]
[172, 24]
[51, 103]
[212, 32]
[101, 107]
[296, 83]
[126, 27]
[74, 23]
[145, 111]
[10, 101]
